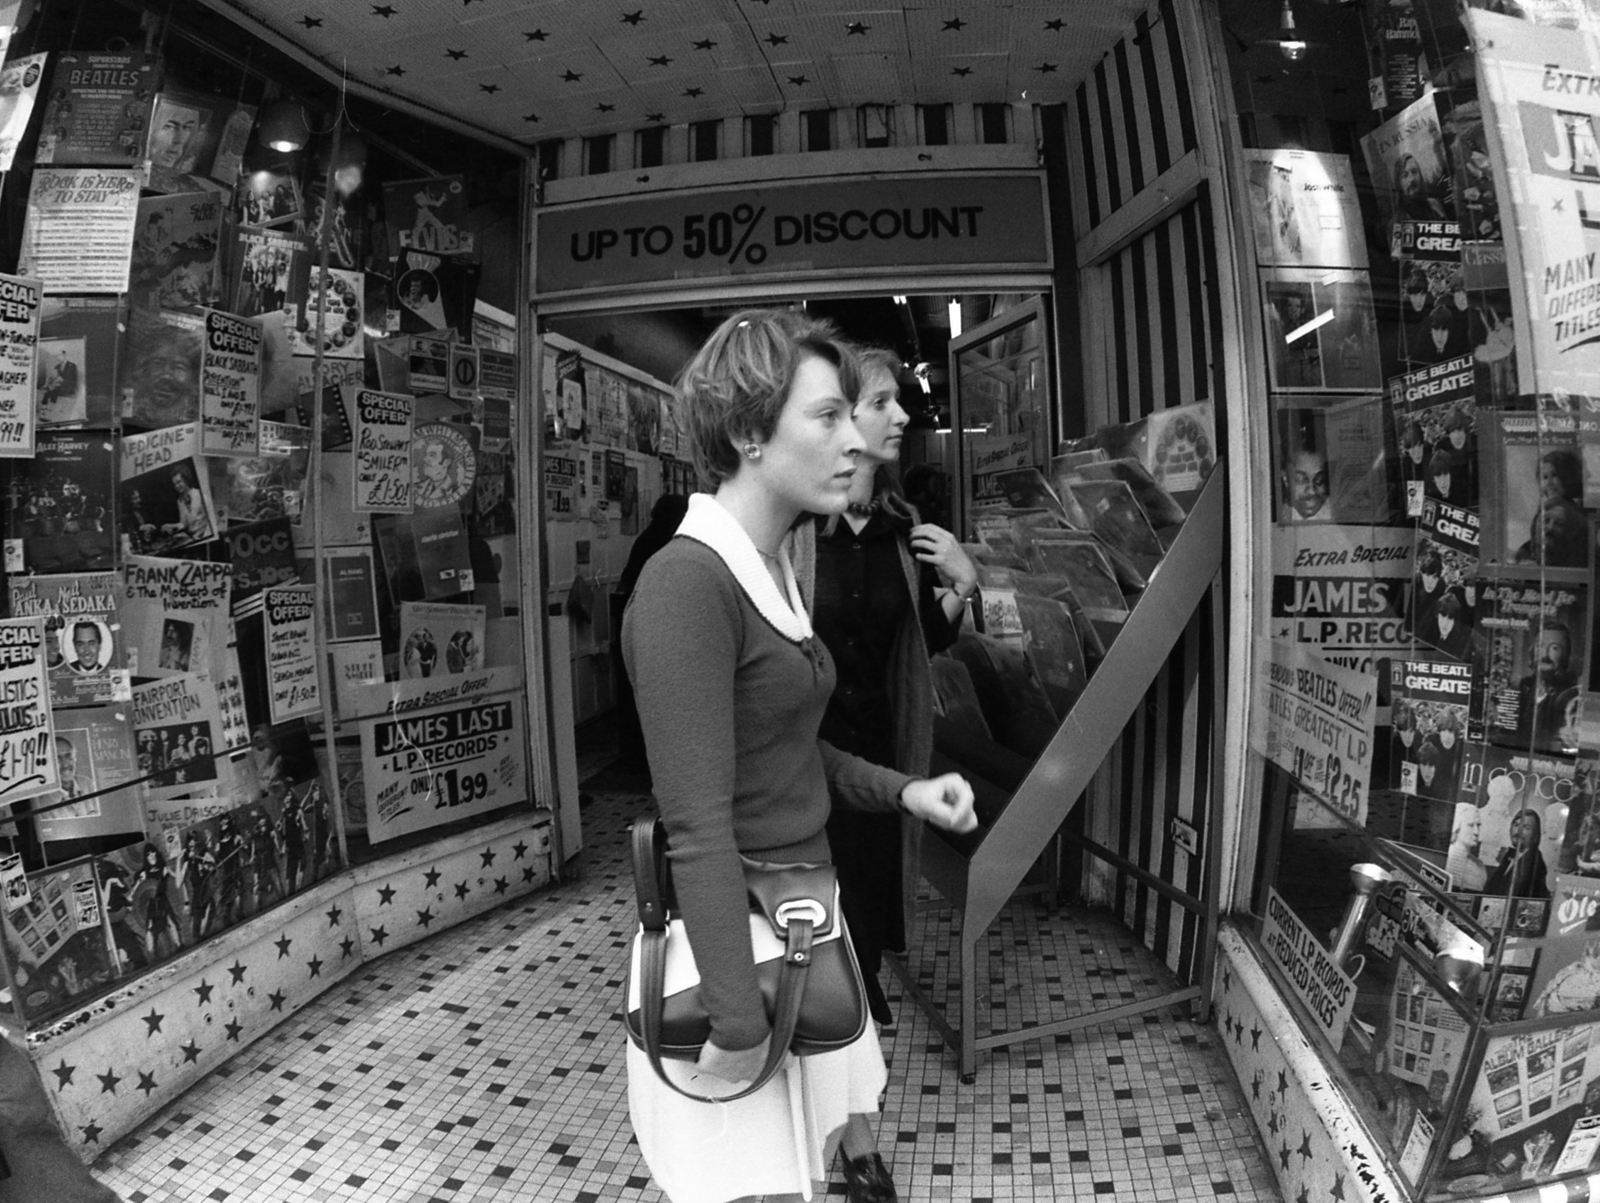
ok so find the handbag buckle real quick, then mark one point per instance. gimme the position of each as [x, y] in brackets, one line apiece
[799, 908]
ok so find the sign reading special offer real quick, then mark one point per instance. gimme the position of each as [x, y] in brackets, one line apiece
[1317, 724]
[445, 750]
[785, 228]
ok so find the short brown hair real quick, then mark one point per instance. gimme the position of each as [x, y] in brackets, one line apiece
[736, 385]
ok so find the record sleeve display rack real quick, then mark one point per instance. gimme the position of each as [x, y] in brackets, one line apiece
[1026, 805]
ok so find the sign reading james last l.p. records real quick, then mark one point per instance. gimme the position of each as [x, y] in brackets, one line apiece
[784, 229]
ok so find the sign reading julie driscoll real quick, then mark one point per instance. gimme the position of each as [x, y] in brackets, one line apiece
[788, 228]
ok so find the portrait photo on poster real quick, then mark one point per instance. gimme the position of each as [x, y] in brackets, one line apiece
[1304, 488]
[60, 381]
[164, 509]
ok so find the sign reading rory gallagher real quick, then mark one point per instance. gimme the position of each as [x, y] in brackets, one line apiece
[1543, 89]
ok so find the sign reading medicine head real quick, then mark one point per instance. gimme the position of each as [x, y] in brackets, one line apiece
[768, 229]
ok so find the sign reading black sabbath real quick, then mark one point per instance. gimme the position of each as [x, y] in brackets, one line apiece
[788, 228]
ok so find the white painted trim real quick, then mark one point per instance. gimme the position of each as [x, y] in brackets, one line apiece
[1154, 204]
[822, 164]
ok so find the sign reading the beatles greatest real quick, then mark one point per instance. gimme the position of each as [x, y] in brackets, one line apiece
[779, 228]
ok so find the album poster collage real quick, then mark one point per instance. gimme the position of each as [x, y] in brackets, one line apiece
[159, 516]
[1433, 526]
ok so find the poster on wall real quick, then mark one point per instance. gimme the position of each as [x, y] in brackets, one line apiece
[19, 85]
[339, 322]
[1405, 157]
[428, 215]
[27, 725]
[175, 252]
[1305, 209]
[94, 751]
[175, 616]
[439, 640]
[1533, 489]
[85, 648]
[1545, 138]
[382, 475]
[165, 491]
[177, 728]
[194, 136]
[63, 523]
[444, 464]
[452, 759]
[230, 385]
[99, 108]
[1334, 466]
[1321, 330]
[19, 355]
[1436, 417]
[293, 690]
[78, 236]
[76, 380]
[1530, 654]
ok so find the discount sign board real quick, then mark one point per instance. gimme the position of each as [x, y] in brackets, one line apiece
[997, 221]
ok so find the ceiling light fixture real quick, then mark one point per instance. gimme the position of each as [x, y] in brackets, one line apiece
[283, 125]
[954, 309]
[1290, 44]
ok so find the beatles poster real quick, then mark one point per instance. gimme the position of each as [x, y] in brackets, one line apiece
[27, 728]
[78, 236]
[383, 453]
[1543, 134]
[19, 352]
[99, 108]
[230, 385]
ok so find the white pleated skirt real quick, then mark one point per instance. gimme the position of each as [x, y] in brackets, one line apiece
[780, 1140]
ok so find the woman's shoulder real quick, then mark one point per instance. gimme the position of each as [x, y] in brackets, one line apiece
[685, 573]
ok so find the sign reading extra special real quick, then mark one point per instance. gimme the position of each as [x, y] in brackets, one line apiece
[996, 221]
[447, 748]
[1542, 109]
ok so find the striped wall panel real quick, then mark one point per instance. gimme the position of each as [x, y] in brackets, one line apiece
[1133, 118]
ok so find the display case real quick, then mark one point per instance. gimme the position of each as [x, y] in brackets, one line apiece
[1423, 720]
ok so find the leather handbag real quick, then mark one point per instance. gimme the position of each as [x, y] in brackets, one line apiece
[806, 969]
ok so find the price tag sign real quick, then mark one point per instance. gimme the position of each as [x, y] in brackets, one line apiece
[382, 452]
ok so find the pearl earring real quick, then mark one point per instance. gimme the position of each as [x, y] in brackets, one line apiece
[752, 451]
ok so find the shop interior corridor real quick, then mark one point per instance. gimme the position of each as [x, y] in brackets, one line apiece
[485, 1064]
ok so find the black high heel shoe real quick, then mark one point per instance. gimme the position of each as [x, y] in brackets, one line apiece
[867, 1179]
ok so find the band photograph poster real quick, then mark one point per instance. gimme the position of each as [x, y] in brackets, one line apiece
[1305, 209]
[176, 244]
[165, 491]
[1321, 330]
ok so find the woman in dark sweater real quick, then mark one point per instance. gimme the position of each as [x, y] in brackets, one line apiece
[731, 686]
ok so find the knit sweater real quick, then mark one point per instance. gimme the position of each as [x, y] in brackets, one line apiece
[730, 709]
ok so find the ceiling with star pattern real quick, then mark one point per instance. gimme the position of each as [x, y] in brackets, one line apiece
[528, 71]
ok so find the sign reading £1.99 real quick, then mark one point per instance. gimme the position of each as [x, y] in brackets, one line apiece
[786, 228]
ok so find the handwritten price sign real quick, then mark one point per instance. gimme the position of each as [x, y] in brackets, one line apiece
[383, 452]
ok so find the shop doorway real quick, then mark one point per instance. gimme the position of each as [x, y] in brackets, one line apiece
[611, 454]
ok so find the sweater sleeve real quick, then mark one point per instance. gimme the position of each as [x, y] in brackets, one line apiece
[860, 784]
[680, 643]
[939, 631]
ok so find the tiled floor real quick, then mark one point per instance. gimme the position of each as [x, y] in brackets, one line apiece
[485, 1064]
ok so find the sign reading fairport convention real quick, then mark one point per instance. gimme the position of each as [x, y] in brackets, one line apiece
[443, 751]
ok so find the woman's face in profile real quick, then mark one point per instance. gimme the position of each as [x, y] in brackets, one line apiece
[811, 457]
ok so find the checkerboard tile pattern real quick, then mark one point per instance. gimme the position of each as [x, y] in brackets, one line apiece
[485, 1063]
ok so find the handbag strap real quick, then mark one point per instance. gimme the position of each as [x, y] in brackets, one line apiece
[649, 839]
[797, 957]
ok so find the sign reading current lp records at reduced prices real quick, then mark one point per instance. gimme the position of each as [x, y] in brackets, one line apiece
[785, 228]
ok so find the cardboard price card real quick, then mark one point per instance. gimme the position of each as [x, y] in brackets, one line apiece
[19, 353]
[27, 727]
[230, 385]
[382, 452]
[292, 653]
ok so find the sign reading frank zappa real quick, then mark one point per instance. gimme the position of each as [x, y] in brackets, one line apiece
[784, 228]
[442, 753]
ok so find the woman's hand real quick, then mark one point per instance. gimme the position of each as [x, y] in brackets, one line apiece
[943, 801]
[934, 545]
[738, 1068]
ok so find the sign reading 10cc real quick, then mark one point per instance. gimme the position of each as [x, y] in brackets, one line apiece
[838, 227]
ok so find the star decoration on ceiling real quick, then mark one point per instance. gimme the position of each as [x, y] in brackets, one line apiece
[856, 29]
[655, 117]
[954, 25]
[63, 1073]
[799, 81]
[1046, 68]
[108, 1081]
[456, 55]
[487, 857]
[535, 35]
[431, 877]
[571, 76]
[777, 39]
[236, 972]
[704, 44]
[147, 1083]
[311, 22]
[659, 60]
[384, 10]
[234, 1027]
[1054, 26]
[397, 71]
[491, 89]
[191, 1052]
[963, 72]
[633, 18]
[692, 93]
[603, 107]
